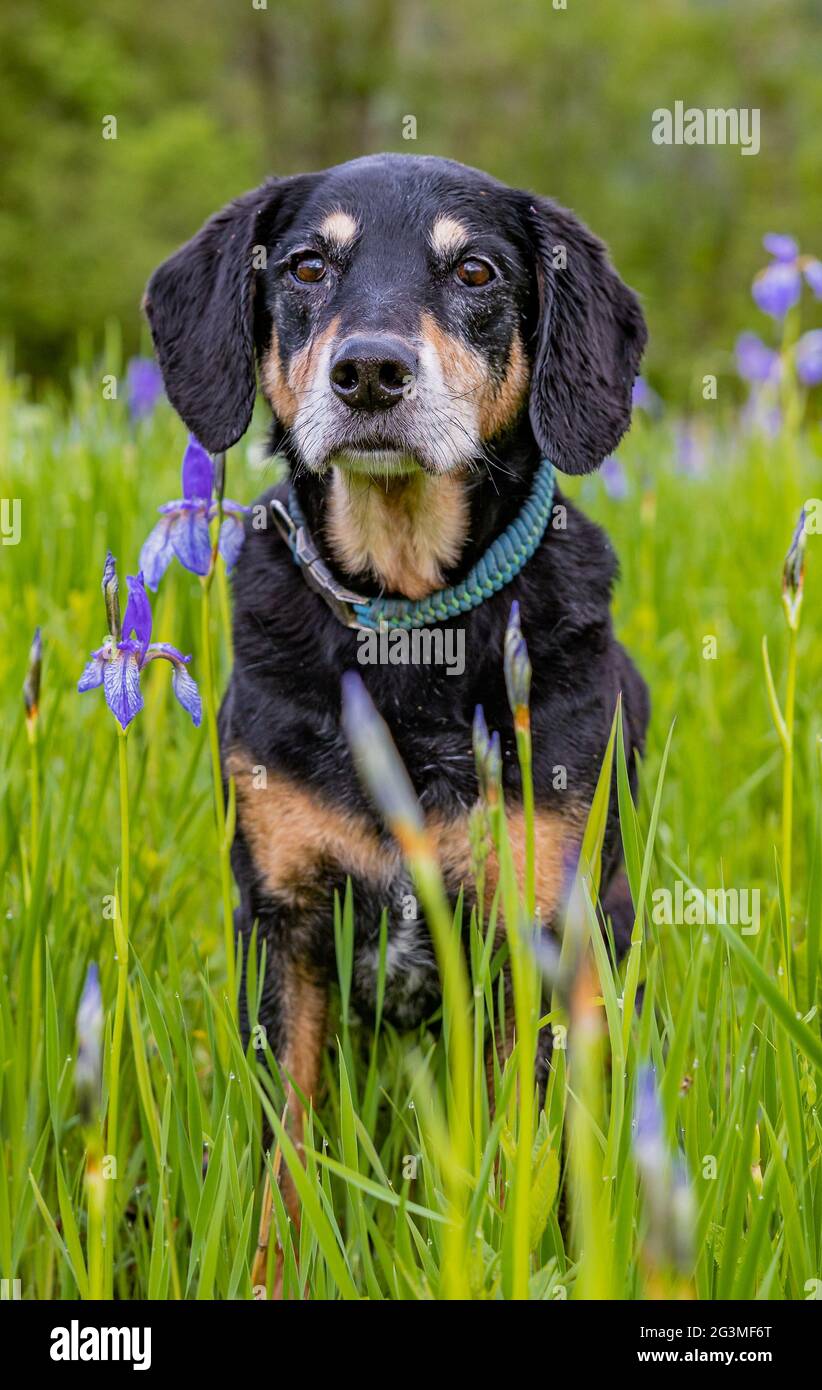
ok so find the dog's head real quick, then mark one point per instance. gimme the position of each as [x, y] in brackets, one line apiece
[405, 313]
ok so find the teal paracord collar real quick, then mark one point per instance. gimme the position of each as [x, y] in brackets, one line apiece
[501, 563]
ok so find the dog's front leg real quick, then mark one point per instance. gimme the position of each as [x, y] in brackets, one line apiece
[300, 1057]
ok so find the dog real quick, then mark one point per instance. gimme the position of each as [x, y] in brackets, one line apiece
[426, 337]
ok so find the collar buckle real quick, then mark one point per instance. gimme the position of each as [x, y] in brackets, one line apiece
[315, 571]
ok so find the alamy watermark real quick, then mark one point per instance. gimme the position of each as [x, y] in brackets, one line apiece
[415, 646]
[711, 125]
[690, 907]
[76, 1343]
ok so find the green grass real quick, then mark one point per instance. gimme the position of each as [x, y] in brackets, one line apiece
[412, 1187]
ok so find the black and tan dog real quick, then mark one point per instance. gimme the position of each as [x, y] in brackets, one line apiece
[425, 337]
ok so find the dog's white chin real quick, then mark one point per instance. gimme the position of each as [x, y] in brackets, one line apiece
[376, 463]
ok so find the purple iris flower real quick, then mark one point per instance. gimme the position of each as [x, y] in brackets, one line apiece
[781, 247]
[517, 668]
[669, 1205]
[813, 275]
[144, 383]
[614, 479]
[777, 288]
[762, 367]
[183, 530]
[118, 664]
[754, 360]
[488, 758]
[809, 358]
[649, 1140]
[793, 570]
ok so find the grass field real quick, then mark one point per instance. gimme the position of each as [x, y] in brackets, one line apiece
[679, 1150]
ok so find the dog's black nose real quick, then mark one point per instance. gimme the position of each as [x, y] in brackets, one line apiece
[373, 373]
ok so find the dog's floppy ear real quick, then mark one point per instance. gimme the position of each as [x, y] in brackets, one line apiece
[590, 338]
[200, 304]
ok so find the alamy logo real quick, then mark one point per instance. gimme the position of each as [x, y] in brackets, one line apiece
[76, 1343]
[712, 125]
[738, 907]
[416, 646]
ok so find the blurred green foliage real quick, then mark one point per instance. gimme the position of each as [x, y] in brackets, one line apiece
[210, 97]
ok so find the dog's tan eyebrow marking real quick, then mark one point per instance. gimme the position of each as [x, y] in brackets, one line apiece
[339, 228]
[448, 235]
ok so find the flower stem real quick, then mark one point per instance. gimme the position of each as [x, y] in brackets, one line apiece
[526, 1012]
[32, 732]
[787, 793]
[125, 848]
[225, 610]
[223, 845]
[785, 729]
[121, 940]
[34, 786]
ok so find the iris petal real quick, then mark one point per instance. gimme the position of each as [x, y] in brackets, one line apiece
[165, 650]
[755, 361]
[198, 472]
[157, 553]
[781, 247]
[185, 688]
[813, 275]
[138, 611]
[145, 386]
[93, 673]
[183, 685]
[777, 289]
[809, 358]
[232, 535]
[121, 680]
[191, 541]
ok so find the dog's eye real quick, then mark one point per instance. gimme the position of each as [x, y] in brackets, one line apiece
[473, 271]
[308, 267]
